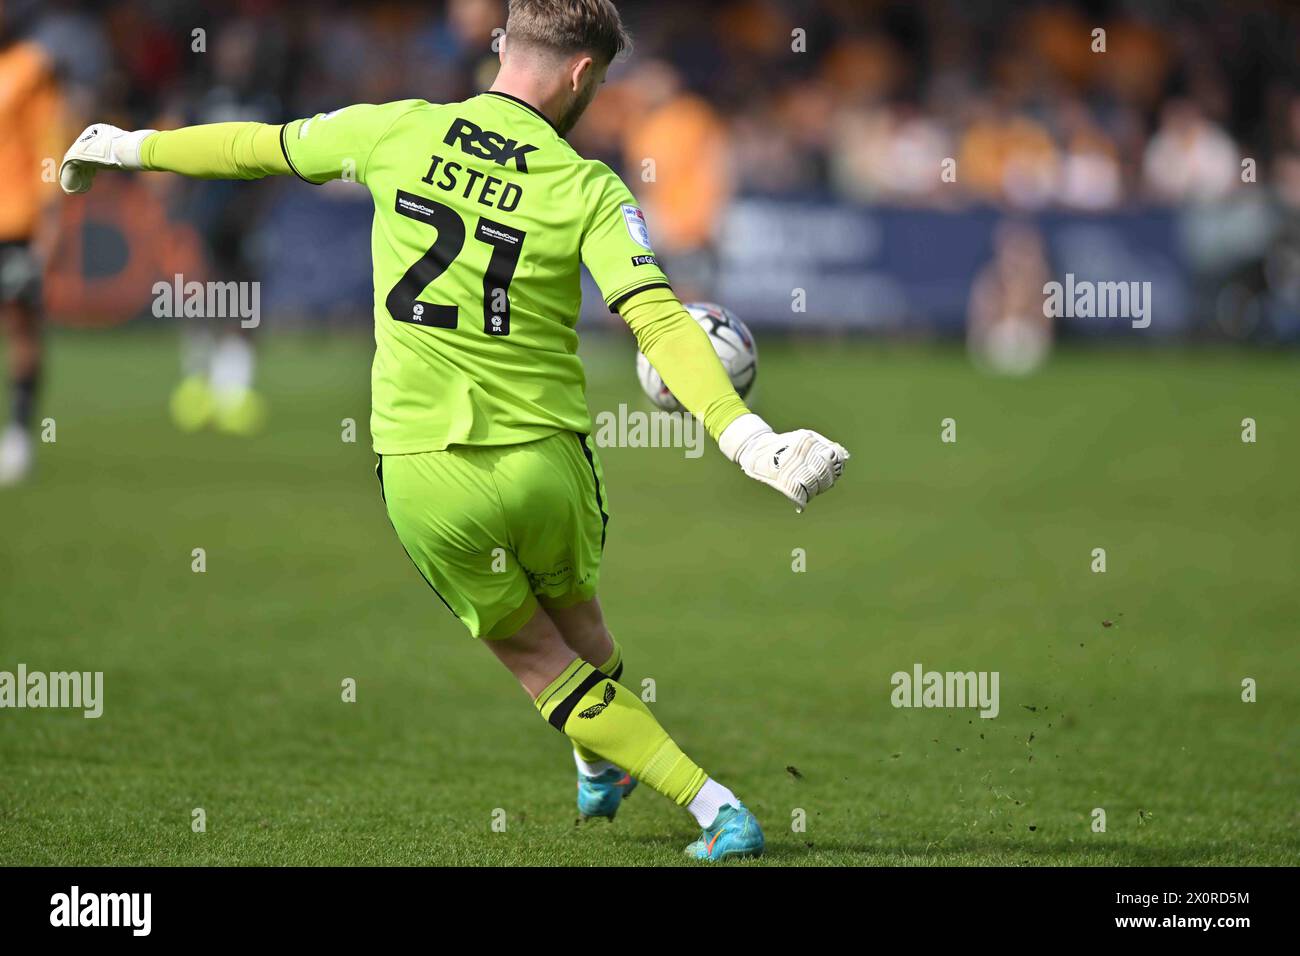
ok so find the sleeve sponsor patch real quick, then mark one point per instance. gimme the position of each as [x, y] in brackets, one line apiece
[636, 226]
[644, 261]
[306, 124]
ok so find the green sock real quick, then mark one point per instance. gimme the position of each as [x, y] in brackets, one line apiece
[614, 666]
[601, 715]
[611, 668]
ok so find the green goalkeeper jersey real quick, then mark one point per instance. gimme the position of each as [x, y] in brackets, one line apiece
[482, 215]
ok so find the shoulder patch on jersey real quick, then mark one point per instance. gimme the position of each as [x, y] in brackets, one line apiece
[636, 227]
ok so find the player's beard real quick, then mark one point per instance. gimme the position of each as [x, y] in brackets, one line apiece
[569, 118]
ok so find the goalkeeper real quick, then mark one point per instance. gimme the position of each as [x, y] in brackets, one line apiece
[483, 213]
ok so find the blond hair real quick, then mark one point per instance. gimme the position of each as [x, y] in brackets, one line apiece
[567, 26]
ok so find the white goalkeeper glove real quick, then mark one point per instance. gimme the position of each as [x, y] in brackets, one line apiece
[799, 464]
[99, 147]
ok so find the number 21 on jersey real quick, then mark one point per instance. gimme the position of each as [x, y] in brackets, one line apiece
[404, 303]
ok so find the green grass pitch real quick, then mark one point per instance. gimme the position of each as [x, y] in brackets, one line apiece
[223, 689]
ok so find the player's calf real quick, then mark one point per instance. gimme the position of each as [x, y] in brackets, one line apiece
[602, 786]
[604, 717]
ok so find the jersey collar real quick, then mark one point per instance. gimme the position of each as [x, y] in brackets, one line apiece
[525, 104]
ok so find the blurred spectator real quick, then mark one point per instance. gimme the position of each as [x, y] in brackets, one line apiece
[888, 155]
[1010, 157]
[1190, 159]
[1090, 171]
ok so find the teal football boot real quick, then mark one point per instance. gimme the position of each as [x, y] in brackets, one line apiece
[600, 796]
[734, 834]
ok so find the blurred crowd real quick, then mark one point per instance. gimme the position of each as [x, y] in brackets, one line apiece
[1081, 105]
[1074, 106]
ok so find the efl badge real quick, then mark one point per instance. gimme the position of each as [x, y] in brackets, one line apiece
[636, 226]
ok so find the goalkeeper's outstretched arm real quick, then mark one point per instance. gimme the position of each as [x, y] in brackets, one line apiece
[326, 146]
[214, 151]
[799, 464]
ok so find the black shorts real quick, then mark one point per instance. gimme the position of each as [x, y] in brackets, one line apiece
[20, 274]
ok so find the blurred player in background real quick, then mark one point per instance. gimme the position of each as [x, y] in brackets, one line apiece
[29, 142]
[678, 150]
[218, 361]
[1007, 332]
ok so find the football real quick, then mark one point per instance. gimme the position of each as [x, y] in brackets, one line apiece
[731, 339]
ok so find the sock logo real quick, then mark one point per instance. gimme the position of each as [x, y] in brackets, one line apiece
[595, 709]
